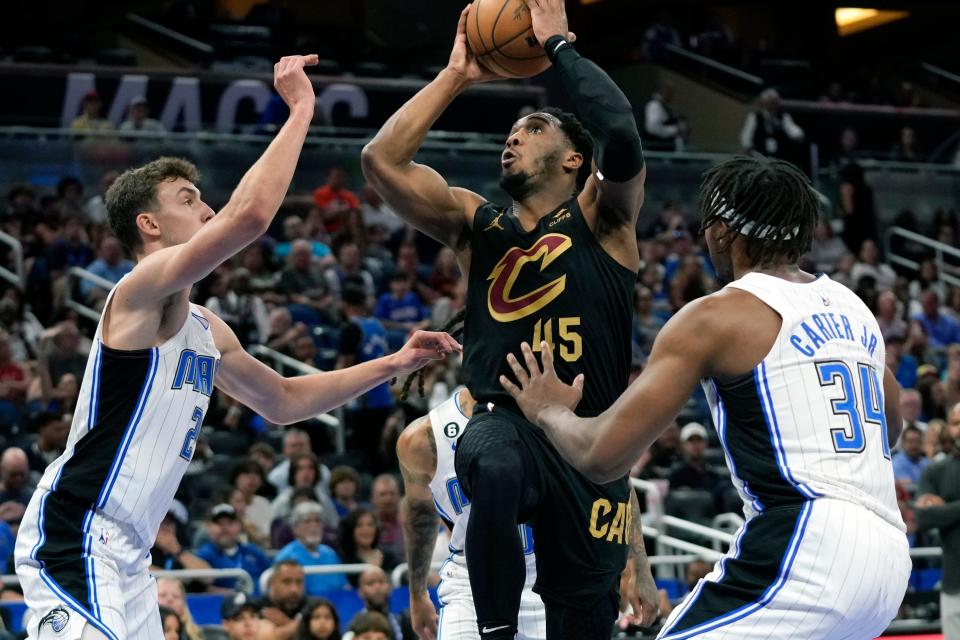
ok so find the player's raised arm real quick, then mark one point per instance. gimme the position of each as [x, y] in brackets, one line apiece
[615, 200]
[417, 453]
[416, 192]
[245, 217]
[286, 400]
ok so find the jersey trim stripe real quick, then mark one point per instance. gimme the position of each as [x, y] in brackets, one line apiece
[722, 435]
[95, 388]
[776, 438]
[66, 597]
[783, 574]
[130, 430]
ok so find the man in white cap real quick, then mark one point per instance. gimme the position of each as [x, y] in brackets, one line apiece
[137, 119]
[694, 472]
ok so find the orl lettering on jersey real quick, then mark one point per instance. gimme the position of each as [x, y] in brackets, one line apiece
[196, 370]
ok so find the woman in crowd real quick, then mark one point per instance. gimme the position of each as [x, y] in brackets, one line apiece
[359, 543]
[344, 484]
[305, 473]
[171, 594]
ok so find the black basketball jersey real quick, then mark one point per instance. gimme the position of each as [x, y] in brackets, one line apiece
[554, 283]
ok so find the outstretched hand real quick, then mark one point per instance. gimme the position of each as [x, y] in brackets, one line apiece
[291, 81]
[538, 390]
[422, 348]
[462, 59]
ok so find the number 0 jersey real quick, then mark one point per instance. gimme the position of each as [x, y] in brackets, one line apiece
[555, 283]
[136, 425]
[809, 421]
[448, 423]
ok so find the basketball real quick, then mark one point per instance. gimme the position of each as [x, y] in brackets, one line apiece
[500, 34]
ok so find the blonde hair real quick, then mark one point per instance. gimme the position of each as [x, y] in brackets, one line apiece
[190, 627]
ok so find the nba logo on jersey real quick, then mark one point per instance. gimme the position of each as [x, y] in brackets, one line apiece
[197, 370]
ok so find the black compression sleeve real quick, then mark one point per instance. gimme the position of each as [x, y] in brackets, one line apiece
[606, 112]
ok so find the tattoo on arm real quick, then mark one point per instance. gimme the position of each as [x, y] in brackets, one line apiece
[637, 549]
[421, 535]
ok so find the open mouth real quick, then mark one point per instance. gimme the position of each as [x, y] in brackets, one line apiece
[507, 159]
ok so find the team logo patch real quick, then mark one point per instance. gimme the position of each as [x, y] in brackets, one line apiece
[451, 430]
[501, 303]
[57, 619]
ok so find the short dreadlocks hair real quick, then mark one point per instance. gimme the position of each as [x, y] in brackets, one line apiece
[769, 202]
[579, 137]
[454, 327]
[135, 191]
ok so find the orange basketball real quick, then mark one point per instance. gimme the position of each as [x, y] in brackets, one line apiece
[500, 34]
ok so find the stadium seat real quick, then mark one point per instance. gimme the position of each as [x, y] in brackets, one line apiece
[695, 505]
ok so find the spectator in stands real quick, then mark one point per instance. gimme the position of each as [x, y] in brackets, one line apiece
[344, 484]
[95, 208]
[172, 625]
[376, 213]
[281, 533]
[110, 264]
[941, 329]
[283, 331]
[446, 273]
[646, 323]
[350, 272]
[319, 620]
[905, 149]
[658, 461]
[889, 317]
[15, 486]
[849, 147]
[938, 506]
[73, 249]
[15, 379]
[224, 550]
[363, 338]
[903, 365]
[264, 455]
[385, 496]
[303, 282]
[242, 618]
[370, 625]
[401, 308]
[695, 571]
[932, 441]
[375, 591]
[335, 201]
[931, 392]
[694, 472]
[656, 38]
[856, 207]
[169, 552]
[21, 204]
[52, 431]
[408, 263]
[663, 126]
[247, 478]
[285, 598]
[690, 282]
[294, 229]
[264, 278]
[295, 442]
[233, 297]
[826, 250]
[909, 462]
[138, 118]
[869, 265]
[928, 277]
[23, 328]
[171, 594]
[768, 130]
[305, 350]
[305, 473]
[308, 549]
[360, 542]
[918, 344]
[90, 118]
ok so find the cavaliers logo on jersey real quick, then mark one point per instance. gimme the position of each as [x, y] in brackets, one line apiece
[501, 303]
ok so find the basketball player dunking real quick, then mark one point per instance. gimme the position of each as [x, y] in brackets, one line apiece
[805, 408]
[82, 554]
[558, 265]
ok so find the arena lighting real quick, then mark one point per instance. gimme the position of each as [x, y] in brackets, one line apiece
[852, 20]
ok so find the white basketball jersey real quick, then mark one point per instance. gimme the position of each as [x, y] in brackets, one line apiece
[136, 424]
[808, 421]
[448, 422]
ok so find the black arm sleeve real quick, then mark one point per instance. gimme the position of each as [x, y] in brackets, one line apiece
[605, 111]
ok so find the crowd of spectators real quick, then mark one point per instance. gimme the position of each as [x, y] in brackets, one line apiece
[345, 279]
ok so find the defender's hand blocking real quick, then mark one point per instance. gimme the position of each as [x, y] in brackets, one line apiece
[462, 61]
[422, 348]
[549, 19]
[292, 83]
[423, 616]
[539, 390]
